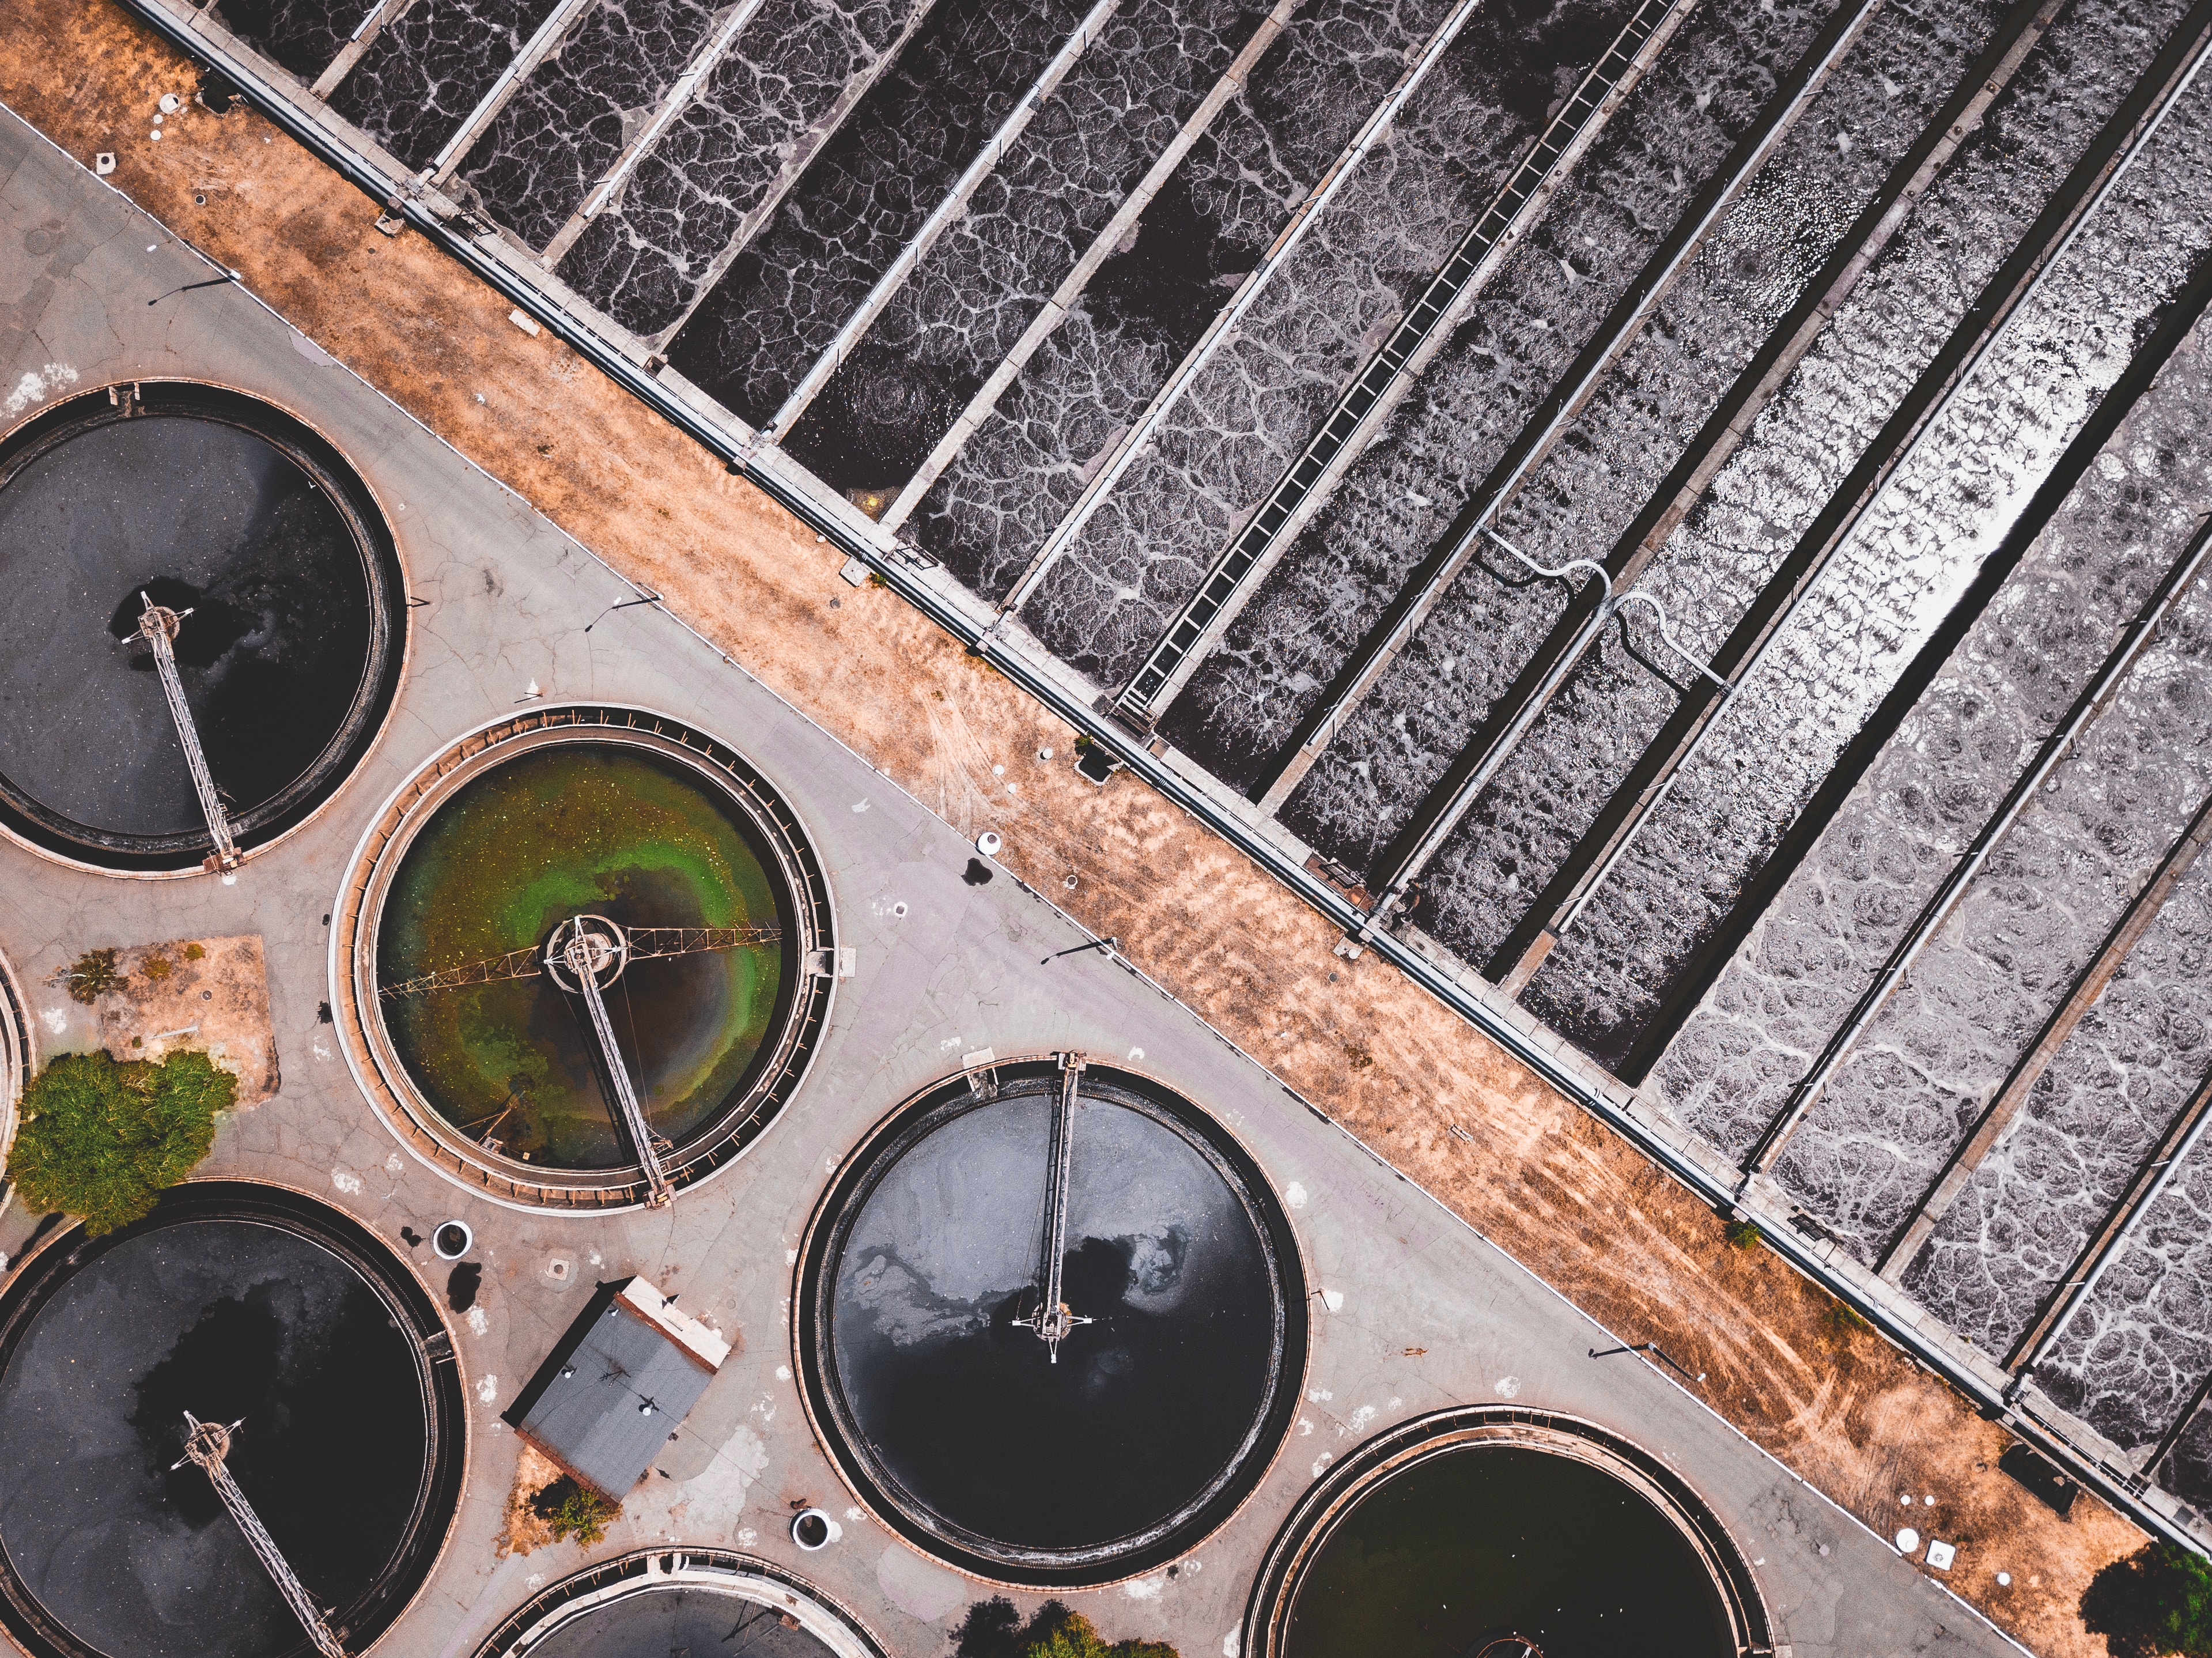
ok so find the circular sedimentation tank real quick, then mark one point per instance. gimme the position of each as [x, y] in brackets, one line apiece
[1023, 1440]
[240, 1303]
[1502, 1533]
[706, 917]
[681, 1600]
[252, 528]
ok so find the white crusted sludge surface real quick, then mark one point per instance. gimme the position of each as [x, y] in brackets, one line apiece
[2127, 1072]
[1208, 227]
[1517, 836]
[1554, 291]
[866, 192]
[1910, 559]
[967, 303]
[1641, 420]
[763, 107]
[430, 67]
[1879, 1131]
[569, 119]
[2138, 1345]
[1248, 414]
[1941, 774]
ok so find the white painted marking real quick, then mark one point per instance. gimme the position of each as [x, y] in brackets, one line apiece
[1321, 1462]
[1146, 1588]
[346, 1181]
[860, 806]
[1332, 1299]
[55, 1019]
[37, 384]
[392, 1165]
[477, 1323]
[1136, 1053]
[1295, 1195]
[1508, 1386]
[488, 1389]
[783, 1373]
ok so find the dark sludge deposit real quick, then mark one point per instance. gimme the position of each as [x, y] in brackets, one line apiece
[240, 1304]
[270, 547]
[1174, 1379]
[1494, 1532]
[575, 828]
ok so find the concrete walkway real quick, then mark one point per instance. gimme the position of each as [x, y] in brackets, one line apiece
[1419, 1311]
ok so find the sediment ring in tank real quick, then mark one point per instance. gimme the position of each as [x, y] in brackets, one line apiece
[325, 1381]
[206, 626]
[1051, 1322]
[1502, 1533]
[586, 955]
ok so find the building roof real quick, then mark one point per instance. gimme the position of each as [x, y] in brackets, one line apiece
[615, 1384]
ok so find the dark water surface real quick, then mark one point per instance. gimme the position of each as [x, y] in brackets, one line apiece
[1147, 1410]
[1495, 1540]
[201, 514]
[680, 1620]
[228, 1320]
[579, 827]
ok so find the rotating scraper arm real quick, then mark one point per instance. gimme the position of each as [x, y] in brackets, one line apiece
[208, 1444]
[644, 941]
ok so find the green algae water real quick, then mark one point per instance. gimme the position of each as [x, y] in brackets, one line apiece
[1491, 1540]
[610, 830]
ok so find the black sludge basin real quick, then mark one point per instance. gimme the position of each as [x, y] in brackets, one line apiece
[241, 1304]
[1492, 1531]
[206, 502]
[1162, 1402]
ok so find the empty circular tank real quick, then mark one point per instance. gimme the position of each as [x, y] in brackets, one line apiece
[254, 532]
[681, 1600]
[1497, 1531]
[243, 1304]
[706, 917]
[1020, 1445]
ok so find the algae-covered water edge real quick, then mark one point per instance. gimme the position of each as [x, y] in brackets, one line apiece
[1483, 1541]
[609, 829]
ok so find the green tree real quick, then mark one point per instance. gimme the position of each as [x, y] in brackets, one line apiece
[573, 1511]
[100, 1140]
[993, 1629]
[2155, 1603]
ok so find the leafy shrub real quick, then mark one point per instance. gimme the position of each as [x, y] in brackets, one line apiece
[2156, 1602]
[572, 1511]
[1744, 1235]
[1842, 1319]
[101, 1139]
[92, 976]
[993, 1629]
[159, 968]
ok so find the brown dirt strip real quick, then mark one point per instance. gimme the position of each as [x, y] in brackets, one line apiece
[1563, 1193]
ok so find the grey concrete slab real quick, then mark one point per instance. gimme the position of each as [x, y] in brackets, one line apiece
[1413, 1310]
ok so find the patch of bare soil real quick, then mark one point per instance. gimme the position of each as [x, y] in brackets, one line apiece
[522, 1528]
[207, 993]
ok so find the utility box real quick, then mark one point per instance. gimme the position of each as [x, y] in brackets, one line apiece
[615, 1384]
